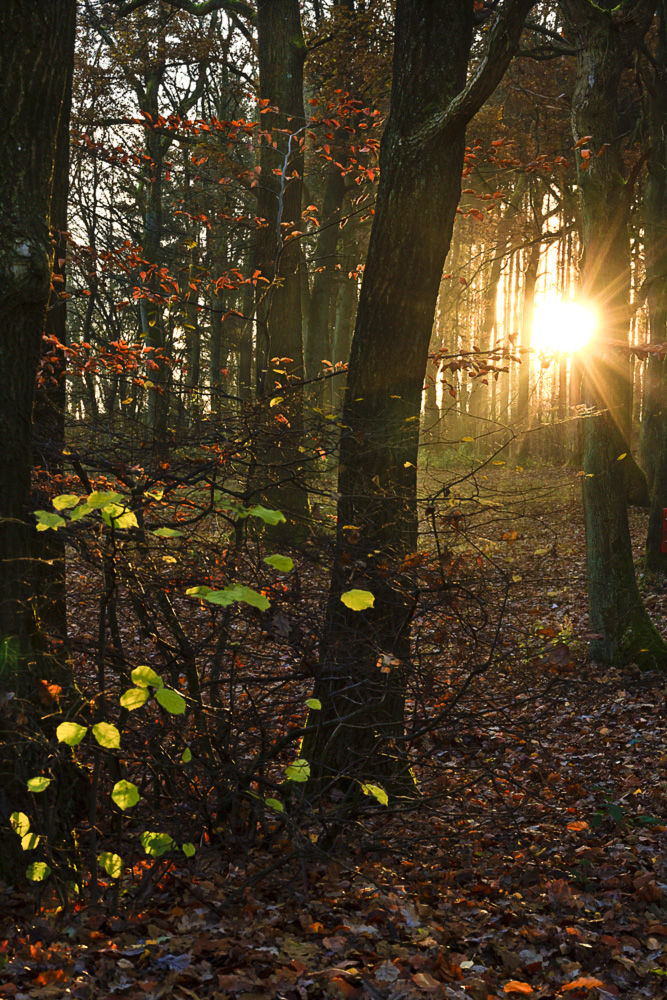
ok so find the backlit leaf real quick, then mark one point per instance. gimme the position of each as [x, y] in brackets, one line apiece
[275, 804]
[171, 700]
[38, 871]
[65, 501]
[70, 733]
[47, 519]
[516, 987]
[107, 735]
[118, 516]
[188, 849]
[125, 794]
[156, 844]
[358, 600]
[378, 792]
[282, 563]
[112, 863]
[314, 703]
[19, 823]
[29, 842]
[134, 698]
[168, 533]
[187, 756]
[298, 770]
[38, 784]
[146, 677]
[95, 501]
[583, 982]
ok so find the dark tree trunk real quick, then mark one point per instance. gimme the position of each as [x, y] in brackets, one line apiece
[654, 417]
[617, 614]
[281, 52]
[420, 173]
[37, 54]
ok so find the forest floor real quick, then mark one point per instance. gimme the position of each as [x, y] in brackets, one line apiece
[534, 863]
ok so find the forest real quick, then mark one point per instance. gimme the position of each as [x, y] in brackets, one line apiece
[333, 499]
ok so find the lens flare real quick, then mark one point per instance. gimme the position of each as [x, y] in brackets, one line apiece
[561, 327]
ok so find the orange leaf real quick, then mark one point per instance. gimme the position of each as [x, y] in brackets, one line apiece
[516, 987]
[579, 825]
[584, 982]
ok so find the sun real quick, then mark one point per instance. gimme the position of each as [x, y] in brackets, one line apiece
[561, 327]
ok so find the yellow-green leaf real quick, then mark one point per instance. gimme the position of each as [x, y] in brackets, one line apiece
[156, 844]
[188, 849]
[47, 519]
[298, 770]
[29, 842]
[112, 863]
[120, 516]
[171, 700]
[125, 794]
[168, 533]
[38, 871]
[70, 733]
[107, 735]
[282, 563]
[19, 823]
[38, 784]
[65, 501]
[377, 792]
[314, 703]
[187, 755]
[275, 804]
[358, 600]
[134, 698]
[145, 677]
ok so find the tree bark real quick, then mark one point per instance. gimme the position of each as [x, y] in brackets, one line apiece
[617, 615]
[365, 656]
[37, 55]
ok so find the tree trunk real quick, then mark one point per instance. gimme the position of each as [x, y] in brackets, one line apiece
[365, 655]
[37, 46]
[281, 52]
[617, 613]
[654, 419]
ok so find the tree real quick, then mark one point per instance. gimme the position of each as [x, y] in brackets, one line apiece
[605, 41]
[365, 655]
[37, 54]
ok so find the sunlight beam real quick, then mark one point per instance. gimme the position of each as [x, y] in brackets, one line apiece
[561, 327]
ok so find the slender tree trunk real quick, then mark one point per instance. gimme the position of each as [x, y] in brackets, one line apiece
[617, 614]
[365, 656]
[654, 419]
[281, 53]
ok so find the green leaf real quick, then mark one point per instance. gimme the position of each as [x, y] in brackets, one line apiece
[37, 871]
[145, 677]
[170, 700]
[121, 517]
[358, 600]
[112, 863]
[188, 849]
[29, 842]
[107, 735]
[275, 804]
[125, 794]
[65, 501]
[19, 823]
[80, 511]
[70, 733]
[156, 844]
[266, 515]
[230, 595]
[168, 533]
[47, 519]
[187, 756]
[134, 698]
[95, 501]
[298, 770]
[314, 703]
[378, 792]
[282, 563]
[38, 784]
